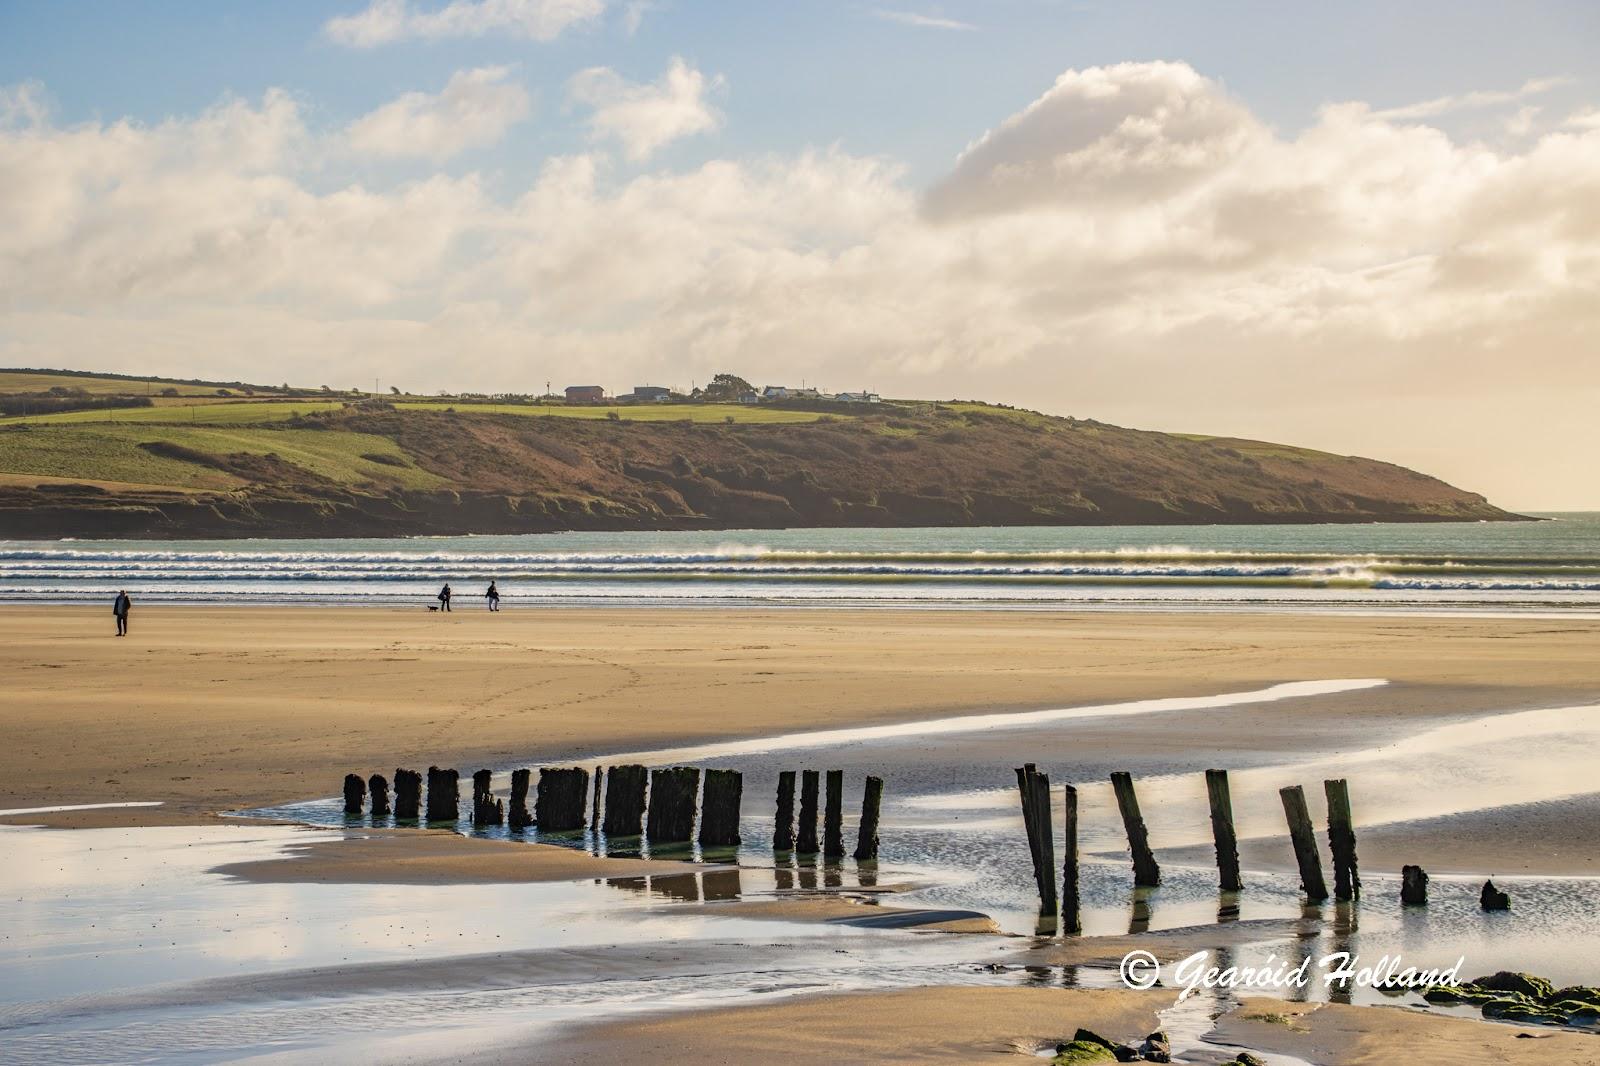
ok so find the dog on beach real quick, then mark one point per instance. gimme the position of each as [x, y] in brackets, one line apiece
[431, 607]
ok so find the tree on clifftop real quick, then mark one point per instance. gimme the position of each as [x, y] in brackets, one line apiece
[727, 387]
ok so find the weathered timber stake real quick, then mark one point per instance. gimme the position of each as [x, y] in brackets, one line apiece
[378, 787]
[1222, 830]
[1304, 838]
[1071, 918]
[867, 832]
[355, 793]
[444, 795]
[833, 817]
[1146, 874]
[519, 817]
[783, 823]
[806, 842]
[1492, 899]
[625, 801]
[1414, 886]
[672, 796]
[594, 806]
[407, 795]
[1342, 840]
[1025, 797]
[719, 808]
[486, 809]
[558, 802]
[1047, 844]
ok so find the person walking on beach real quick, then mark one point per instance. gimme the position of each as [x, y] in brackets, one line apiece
[444, 598]
[493, 596]
[119, 608]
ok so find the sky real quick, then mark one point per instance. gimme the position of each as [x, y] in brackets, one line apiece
[1372, 228]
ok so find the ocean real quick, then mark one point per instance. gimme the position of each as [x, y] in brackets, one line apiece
[1549, 565]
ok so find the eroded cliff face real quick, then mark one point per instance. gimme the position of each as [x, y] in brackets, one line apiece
[519, 474]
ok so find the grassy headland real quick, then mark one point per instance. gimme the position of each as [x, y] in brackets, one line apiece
[254, 463]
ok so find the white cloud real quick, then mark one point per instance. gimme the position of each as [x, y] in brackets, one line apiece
[1127, 133]
[474, 109]
[1134, 245]
[1473, 100]
[644, 118]
[389, 21]
[927, 22]
[633, 14]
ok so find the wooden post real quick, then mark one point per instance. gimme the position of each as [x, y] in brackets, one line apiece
[833, 817]
[444, 795]
[594, 807]
[867, 833]
[1414, 886]
[486, 809]
[519, 817]
[378, 788]
[355, 793]
[1342, 840]
[625, 801]
[558, 803]
[783, 824]
[1047, 844]
[1146, 874]
[1025, 796]
[1071, 918]
[1222, 830]
[1304, 838]
[672, 796]
[806, 842]
[719, 808]
[1033, 789]
[407, 795]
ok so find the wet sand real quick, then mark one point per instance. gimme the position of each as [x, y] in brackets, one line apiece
[1377, 1036]
[431, 857]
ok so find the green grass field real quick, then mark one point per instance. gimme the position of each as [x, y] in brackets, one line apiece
[241, 413]
[16, 381]
[674, 412]
[112, 453]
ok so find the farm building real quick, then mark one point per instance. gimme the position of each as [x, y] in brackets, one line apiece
[586, 393]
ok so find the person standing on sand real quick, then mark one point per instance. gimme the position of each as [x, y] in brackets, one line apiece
[120, 608]
[444, 597]
[493, 596]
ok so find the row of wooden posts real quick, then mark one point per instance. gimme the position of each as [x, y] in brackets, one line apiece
[1034, 792]
[664, 815]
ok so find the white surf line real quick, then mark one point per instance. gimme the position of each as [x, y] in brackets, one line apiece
[977, 723]
[79, 807]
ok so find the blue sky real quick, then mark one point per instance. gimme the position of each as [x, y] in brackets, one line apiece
[809, 73]
[1363, 227]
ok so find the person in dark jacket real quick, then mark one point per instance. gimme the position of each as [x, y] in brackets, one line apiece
[493, 596]
[444, 598]
[120, 608]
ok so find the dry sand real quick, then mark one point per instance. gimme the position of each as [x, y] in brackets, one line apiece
[904, 1025]
[211, 708]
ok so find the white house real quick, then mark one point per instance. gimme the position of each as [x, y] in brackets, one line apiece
[858, 397]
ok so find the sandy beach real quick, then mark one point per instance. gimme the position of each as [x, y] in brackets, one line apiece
[209, 710]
